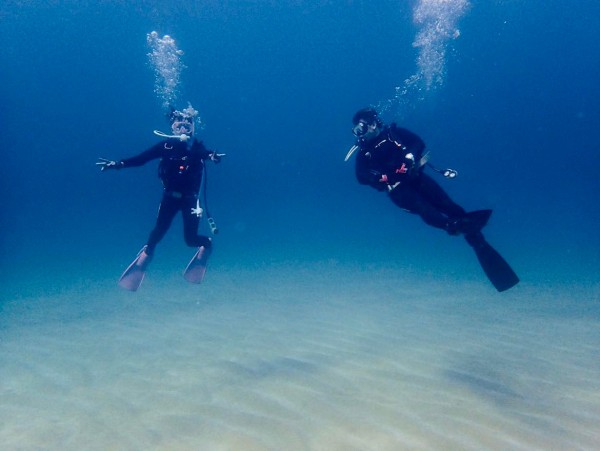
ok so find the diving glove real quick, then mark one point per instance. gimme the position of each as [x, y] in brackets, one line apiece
[105, 164]
[216, 157]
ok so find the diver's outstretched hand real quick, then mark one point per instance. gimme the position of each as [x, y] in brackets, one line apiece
[216, 157]
[105, 164]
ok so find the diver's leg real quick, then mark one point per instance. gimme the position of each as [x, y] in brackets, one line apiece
[166, 212]
[409, 199]
[438, 198]
[459, 221]
[196, 268]
[190, 225]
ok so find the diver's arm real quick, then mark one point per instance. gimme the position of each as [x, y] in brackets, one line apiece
[207, 154]
[153, 153]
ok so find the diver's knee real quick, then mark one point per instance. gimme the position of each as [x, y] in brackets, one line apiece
[198, 241]
[206, 242]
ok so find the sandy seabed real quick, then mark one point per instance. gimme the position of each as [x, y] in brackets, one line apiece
[287, 358]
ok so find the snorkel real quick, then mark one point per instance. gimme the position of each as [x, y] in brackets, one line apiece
[182, 124]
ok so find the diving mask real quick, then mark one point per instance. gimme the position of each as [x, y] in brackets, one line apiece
[183, 121]
[182, 124]
[183, 127]
[360, 129]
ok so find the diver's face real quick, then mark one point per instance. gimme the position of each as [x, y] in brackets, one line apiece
[365, 131]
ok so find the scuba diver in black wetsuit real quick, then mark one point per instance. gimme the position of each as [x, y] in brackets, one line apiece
[181, 170]
[393, 159]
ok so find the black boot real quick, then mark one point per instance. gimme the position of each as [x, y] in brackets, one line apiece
[471, 223]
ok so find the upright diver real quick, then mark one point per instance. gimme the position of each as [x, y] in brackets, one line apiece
[181, 170]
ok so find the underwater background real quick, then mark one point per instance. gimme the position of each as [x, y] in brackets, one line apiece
[504, 91]
[276, 84]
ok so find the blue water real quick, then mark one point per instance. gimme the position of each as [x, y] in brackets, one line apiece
[276, 85]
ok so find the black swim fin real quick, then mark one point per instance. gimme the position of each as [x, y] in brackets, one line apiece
[194, 272]
[497, 270]
[133, 276]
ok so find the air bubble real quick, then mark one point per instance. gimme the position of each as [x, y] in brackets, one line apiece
[167, 65]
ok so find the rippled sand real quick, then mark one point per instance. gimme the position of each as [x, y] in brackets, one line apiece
[325, 358]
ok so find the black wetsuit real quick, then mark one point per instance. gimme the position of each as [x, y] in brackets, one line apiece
[181, 168]
[391, 162]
